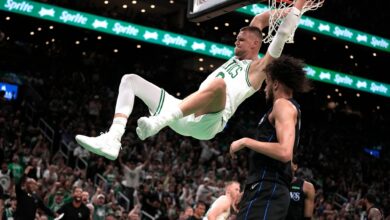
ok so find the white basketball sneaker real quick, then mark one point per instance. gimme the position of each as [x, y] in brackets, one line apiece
[105, 145]
[149, 126]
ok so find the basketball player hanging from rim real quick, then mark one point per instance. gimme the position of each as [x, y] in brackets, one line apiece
[205, 112]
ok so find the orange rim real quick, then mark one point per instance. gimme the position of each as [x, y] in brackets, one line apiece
[284, 1]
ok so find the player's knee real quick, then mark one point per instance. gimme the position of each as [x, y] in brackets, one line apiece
[218, 85]
[128, 78]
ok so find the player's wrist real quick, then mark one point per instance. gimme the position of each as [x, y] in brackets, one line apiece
[295, 11]
[244, 142]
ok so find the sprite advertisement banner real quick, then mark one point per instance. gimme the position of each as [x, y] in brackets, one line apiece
[169, 39]
[329, 29]
[352, 82]
[116, 27]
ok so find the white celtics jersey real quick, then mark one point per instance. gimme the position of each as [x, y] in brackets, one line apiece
[238, 88]
[222, 216]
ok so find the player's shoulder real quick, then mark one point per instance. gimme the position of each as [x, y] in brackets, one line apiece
[284, 105]
[283, 102]
[246, 62]
[223, 199]
[308, 186]
[258, 64]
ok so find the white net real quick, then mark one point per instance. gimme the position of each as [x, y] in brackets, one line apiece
[280, 8]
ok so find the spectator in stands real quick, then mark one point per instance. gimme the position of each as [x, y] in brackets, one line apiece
[135, 213]
[199, 211]
[80, 152]
[186, 198]
[75, 209]
[208, 151]
[16, 168]
[99, 204]
[27, 200]
[85, 200]
[373, 212]
[41, 148]
[329, 211]
[302, 195]
[97, 167]
[110, 175]
[35, 172]
[10, 210]
[206, 191]
[57, 201]
[50, 175]
[2, 205]
[5, 177]
[132, 175]
[188, 212]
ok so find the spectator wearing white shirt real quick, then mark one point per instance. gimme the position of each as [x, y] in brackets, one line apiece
[187, 196]
[208, 151]
[5, 177]
[80, 152]
[50, 175]
[132, 176]
[205, 191]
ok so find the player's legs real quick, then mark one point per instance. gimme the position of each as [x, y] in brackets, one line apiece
[209, 99]
[133, 85]
[108, 144]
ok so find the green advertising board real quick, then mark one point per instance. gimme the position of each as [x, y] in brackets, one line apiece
[329, 29]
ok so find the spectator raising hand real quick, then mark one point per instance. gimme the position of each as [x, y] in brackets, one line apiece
[135, 213]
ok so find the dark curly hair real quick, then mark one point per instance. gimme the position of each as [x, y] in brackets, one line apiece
[289, 71]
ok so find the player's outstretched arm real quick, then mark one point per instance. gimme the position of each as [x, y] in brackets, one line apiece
[285, 119]
[288, 26]
[261, 21]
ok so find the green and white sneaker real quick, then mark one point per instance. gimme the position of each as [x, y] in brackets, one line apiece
[105, 145]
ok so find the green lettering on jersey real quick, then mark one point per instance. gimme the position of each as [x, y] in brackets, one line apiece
[220, 74]
[232, 69]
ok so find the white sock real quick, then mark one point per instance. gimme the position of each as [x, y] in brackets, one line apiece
[118, 126]
[176, 113]
[168, 117]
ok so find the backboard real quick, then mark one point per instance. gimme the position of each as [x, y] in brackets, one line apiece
[202, 10]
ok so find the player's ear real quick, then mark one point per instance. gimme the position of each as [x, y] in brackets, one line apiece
[256, 43]
[275, 84]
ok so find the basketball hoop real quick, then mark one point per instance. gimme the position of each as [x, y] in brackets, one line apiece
[280, 9]
[285, 1]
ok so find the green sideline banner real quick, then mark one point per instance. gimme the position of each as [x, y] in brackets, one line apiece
[352, 82]
[169, 39]
[329, 29]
